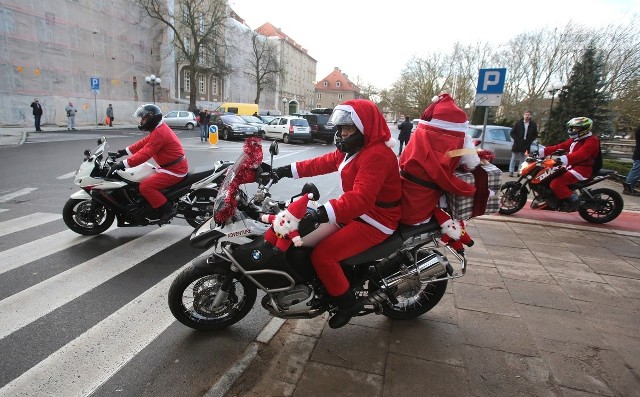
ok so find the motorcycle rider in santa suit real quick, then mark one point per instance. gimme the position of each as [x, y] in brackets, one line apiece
[582, 149]
[165, 148]
[369, 209]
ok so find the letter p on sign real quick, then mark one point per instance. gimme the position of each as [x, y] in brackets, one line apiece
[491, 81]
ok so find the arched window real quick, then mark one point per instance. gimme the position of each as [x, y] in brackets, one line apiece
[338, 84]
[325, 83]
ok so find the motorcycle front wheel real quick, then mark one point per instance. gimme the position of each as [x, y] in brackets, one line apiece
[200, 207]
[197, 300]
[416, 302]
[512, 198]
[87, 217]
[605, 206]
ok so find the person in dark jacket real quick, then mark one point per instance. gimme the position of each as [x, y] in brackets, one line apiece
[37, 113]
[523, 133]
[405, 133]
[634, 173]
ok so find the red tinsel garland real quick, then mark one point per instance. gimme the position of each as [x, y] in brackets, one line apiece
[244, 172]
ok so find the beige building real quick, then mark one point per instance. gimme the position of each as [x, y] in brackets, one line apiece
[295, 87]
[335, 89]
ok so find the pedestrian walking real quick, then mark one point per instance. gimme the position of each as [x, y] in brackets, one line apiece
[523, 133]
[634, 173]
[405, 133]
[37, 113]
[71, 116]
[110, 115]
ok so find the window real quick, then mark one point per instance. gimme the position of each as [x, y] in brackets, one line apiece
[338, 84]
[201, 84]
[214, 85]
[498, 135]
[187, 81]
[201, 24]
[187, 45]
[319, 96]
[325, 84]
[171, 114]
[340, 96]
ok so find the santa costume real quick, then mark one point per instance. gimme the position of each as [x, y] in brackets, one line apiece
[369, 209]
[284, 225]
[437, 147]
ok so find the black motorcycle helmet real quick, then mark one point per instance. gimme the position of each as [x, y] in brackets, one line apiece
[352, 143]
[150, 116]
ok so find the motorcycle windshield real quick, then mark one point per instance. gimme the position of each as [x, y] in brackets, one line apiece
[242, 171]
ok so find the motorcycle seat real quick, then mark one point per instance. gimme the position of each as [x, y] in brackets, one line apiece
[392, 243]
[192, 177]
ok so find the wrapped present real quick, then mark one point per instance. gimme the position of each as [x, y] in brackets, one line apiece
[487, 180]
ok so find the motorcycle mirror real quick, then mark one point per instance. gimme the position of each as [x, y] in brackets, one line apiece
[311, 188]
[273, 149]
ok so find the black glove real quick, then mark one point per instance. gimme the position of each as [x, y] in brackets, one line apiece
[121, 152]
[283, 172]
[534, 153]
[317, 216]
[115, 167]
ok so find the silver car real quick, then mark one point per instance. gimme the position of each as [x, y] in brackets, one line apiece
[498, 140]
[180, 119]
[288, 128]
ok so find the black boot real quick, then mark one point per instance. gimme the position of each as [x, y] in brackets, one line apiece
[348, 306]
[627, 189]
[166, 212]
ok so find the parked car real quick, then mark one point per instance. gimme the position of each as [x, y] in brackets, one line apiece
[288, 128]
[253, 120]
[180, 119]
[498, 140]
[267, 119]
[321, 128]
[233, 126]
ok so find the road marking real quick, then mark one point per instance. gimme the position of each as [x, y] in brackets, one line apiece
[67, 176]
[34, 250]
[19, 193]
[87, 362]
[3, 210]
[32, 303]
[26, 222]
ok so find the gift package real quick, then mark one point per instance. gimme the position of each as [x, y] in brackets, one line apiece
[486, 200]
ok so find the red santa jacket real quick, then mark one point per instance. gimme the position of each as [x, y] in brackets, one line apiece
[370, 182]
[581, 155]
[164, 147]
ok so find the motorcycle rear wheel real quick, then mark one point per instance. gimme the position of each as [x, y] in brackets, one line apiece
[512, 198]
[417, 302]
[202, 207]
[193, 292]
[606, 207]
[87, 217]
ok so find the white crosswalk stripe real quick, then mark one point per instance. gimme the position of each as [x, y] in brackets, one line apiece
[28, 305]
[81, 366]
[21, 192]
[67, 176]
[26, 222]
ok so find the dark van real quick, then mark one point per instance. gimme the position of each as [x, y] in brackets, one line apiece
[320, 127]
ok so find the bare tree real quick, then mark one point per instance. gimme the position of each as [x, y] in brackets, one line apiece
[197, 30]
[264, 64]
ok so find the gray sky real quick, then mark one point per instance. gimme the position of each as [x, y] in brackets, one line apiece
[373, 40]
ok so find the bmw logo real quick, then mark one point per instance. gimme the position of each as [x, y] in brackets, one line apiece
[256, 255]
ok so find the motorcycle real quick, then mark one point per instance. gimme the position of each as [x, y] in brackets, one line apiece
[402, 278]
[596, 205]
[104, 197]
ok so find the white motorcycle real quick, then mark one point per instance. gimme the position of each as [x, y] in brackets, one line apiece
[103, 197]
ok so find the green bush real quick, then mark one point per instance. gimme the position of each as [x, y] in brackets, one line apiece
[621, 167]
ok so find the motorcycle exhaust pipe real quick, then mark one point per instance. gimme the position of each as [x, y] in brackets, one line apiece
[423, 269]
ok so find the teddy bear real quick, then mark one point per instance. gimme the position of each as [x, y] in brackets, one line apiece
[454, 232]
[284, 225]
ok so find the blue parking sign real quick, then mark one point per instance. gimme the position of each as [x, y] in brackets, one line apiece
[491, 81]
[95, 83]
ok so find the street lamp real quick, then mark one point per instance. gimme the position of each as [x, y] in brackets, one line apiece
[153, 81]
[284, 106]
[552, 90]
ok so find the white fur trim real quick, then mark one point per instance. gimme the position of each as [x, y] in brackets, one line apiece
[564, 160]
[294, 171]
[390, 143]
[354, 116]
[447, 125]
[471, 161]
[331, 214]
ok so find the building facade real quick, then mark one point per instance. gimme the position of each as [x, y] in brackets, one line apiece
[334, 89]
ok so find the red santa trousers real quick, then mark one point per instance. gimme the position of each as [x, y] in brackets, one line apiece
[150, 187]
[354, 238]
[559, 185]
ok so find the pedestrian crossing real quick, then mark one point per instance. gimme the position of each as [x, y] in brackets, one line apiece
[77, 363]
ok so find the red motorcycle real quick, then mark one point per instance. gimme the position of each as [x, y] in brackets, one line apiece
[596, 205]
